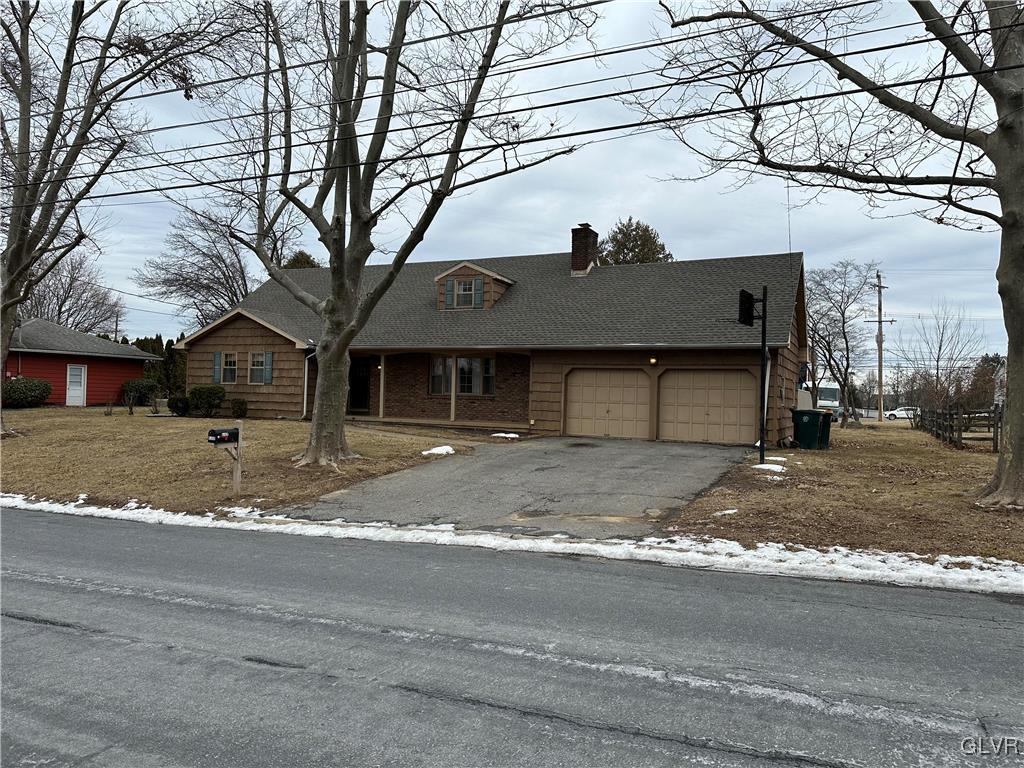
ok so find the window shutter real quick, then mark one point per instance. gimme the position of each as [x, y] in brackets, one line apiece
[216, 367]
[478, 291]
[268, 367]
[449, 293]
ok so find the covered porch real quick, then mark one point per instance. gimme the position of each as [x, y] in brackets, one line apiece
[472, 389]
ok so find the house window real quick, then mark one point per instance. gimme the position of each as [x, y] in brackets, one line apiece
[476, 376]
[256, 366]
[464, 294]
[229, 368]
[440, 375]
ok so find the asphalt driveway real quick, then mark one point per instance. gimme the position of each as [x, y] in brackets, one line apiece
[576, 486]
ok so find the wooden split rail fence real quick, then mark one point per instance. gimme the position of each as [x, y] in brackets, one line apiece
[957, 426]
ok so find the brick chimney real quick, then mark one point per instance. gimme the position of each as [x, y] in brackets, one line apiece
[584, 248]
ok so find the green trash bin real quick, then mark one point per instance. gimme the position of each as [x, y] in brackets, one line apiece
[807, 427]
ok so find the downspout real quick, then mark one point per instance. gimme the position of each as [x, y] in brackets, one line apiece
[305, 384]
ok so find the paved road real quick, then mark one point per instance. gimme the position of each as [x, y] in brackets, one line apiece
[580, 486]
[138, 645]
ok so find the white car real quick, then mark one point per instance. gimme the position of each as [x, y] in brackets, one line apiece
[901, 413]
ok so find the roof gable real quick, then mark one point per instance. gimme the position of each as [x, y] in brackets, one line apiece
[477, 268]
[266, 319]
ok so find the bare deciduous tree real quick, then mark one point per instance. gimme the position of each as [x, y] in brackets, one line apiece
[201, 267]
[837, 305]
[944, 345]
[66, 75]
[939, 124]
[73, 295]
[362, 180]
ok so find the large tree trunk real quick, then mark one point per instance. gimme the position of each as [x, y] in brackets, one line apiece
[8, 322]
[327, 442]
[1007, 487]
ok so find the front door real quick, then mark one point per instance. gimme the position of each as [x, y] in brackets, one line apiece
[76, 385]
[359, 385]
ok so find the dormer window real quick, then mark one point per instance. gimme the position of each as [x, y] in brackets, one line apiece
[470, 286]
[465, 293]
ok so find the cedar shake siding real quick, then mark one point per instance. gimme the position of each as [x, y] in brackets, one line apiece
[282, 397]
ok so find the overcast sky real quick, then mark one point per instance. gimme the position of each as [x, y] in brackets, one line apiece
[532, 212]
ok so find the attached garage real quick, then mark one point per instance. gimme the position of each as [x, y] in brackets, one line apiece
[607, 403]
[708, 406]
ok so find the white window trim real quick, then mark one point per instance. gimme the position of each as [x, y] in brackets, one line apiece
[262, 368]
[223, 367]
[459, 293]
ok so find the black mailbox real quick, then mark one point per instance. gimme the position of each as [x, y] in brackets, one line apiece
[225, 436]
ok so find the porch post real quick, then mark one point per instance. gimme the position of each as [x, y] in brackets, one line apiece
[454, 384]
[380, 386]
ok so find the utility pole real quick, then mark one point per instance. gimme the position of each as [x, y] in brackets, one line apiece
[879, 339]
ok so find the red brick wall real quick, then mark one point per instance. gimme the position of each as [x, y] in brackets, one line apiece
[511, 399]
[407, 389]
[103, 377]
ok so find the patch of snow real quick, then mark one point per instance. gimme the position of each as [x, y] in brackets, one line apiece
[241, 511]
[506, 435]
[779, 559]
[781, 459]
[725, 512]
[441, 450]
[773, 478]
[770, 467]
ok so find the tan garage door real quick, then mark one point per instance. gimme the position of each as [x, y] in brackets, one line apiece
[607, 403]
[707, 406]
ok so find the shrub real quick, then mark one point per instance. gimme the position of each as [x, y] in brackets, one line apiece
[23, 392]
[139, 391]
[205, 399]
[178, 405]
[239, 407]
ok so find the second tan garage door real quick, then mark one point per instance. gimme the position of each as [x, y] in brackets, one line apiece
[607, 403]
[708, 406]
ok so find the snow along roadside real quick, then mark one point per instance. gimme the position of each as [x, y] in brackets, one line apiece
[971, 574]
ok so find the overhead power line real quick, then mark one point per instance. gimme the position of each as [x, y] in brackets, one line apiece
[192, 87]
[531, 108]
[575, 58]
[571, 134]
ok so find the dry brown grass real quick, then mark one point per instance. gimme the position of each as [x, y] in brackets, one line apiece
[166, 462]
[881, 487]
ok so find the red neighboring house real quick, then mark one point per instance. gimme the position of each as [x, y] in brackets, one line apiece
[82, 369]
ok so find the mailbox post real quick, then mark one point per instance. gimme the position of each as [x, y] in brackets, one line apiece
[230, 439]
